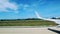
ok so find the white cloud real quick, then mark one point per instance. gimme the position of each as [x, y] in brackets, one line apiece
[4, 4]
[16, 12]
[25, 7]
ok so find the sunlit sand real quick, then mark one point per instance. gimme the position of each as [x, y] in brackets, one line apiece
[42, 30]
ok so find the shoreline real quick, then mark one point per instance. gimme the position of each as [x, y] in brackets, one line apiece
[26, 26]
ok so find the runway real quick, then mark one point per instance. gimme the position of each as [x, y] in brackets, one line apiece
[42, 30]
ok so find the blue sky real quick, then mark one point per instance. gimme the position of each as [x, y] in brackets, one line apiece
[19, 9]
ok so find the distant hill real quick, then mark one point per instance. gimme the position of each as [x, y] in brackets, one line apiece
[55, 18]
[33, 19]
[26, 19]
[58, 18]
[26, 22]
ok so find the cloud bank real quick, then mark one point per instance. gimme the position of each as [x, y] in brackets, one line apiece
[5, 5]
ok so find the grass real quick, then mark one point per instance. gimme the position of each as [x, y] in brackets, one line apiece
[27, 23]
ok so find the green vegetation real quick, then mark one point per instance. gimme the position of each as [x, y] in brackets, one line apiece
[26, 22]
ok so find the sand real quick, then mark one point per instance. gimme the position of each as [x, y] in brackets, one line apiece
[26, 31]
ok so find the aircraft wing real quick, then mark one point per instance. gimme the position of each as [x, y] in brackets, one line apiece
[54, 30]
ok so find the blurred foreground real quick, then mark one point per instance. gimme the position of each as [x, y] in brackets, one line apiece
[42, 30]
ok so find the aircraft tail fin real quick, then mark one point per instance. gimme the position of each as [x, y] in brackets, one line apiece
[37, 14]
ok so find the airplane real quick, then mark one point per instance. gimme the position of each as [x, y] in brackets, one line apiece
[57, 21]
[53, 30]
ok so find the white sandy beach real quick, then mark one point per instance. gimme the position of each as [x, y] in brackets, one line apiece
[26, 31]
